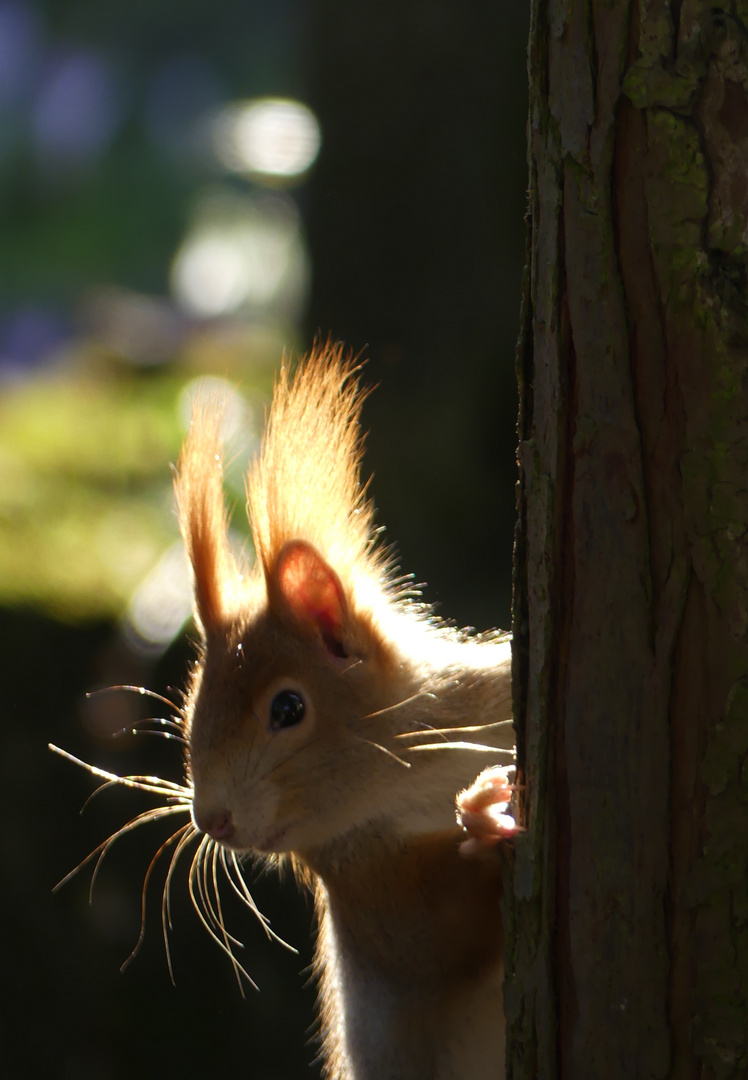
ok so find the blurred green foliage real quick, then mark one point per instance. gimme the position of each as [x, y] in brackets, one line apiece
[85, 507]
[104, 158]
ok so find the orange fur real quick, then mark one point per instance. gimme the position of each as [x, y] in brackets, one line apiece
[359, 791]
[329, 723]
[306, 483]
[203, 518]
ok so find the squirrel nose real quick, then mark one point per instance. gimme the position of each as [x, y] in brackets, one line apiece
[217, 824]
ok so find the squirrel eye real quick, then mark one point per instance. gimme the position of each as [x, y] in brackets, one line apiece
[286, 710]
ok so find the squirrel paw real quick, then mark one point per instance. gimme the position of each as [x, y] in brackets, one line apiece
[482, 810]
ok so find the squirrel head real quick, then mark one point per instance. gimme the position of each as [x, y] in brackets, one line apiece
[281, 708]
[283, 754]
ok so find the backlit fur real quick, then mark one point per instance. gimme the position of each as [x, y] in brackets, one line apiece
[401, 712]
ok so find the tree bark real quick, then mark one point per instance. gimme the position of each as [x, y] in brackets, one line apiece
[629, 911]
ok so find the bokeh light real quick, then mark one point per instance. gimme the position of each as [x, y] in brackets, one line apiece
[161, 604]
[268, 137]
[244, 251]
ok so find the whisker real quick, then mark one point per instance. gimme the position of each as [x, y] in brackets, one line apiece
[102, 787]
[241, 888]
[388, 753]
[147, 731]
[194, 880]
[480, 748]
[461, 728]
[352, 666]
[186, 839]
[101, 849]
[166, 923]
[198, 858]
[141, 819]
[176, 726]
[216, 913]
[201, 879]
[227, 938]
[143, 892]
[239, 885]
[203, 875]
[423, 729]
[142, 690]
[154, 784]
[214, 910]
[399, 704]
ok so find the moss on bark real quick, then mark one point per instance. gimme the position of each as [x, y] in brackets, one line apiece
[631, 890]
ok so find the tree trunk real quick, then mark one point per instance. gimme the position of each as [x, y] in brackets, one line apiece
[629, 913]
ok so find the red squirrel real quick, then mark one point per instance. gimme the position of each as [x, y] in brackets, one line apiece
[332, 721]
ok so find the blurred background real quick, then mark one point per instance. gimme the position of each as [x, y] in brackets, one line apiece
[186, 191]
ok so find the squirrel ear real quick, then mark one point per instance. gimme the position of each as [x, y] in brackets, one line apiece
[304, 584]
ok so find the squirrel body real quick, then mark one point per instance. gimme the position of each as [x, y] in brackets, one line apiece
[331, 721]
[409, 951]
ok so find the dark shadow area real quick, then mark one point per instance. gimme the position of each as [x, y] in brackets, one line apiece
[69, 1012]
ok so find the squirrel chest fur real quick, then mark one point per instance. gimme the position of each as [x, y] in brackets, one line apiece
[331, 721]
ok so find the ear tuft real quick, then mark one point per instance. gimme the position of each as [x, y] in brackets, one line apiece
[203, 517]
[304, 584]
